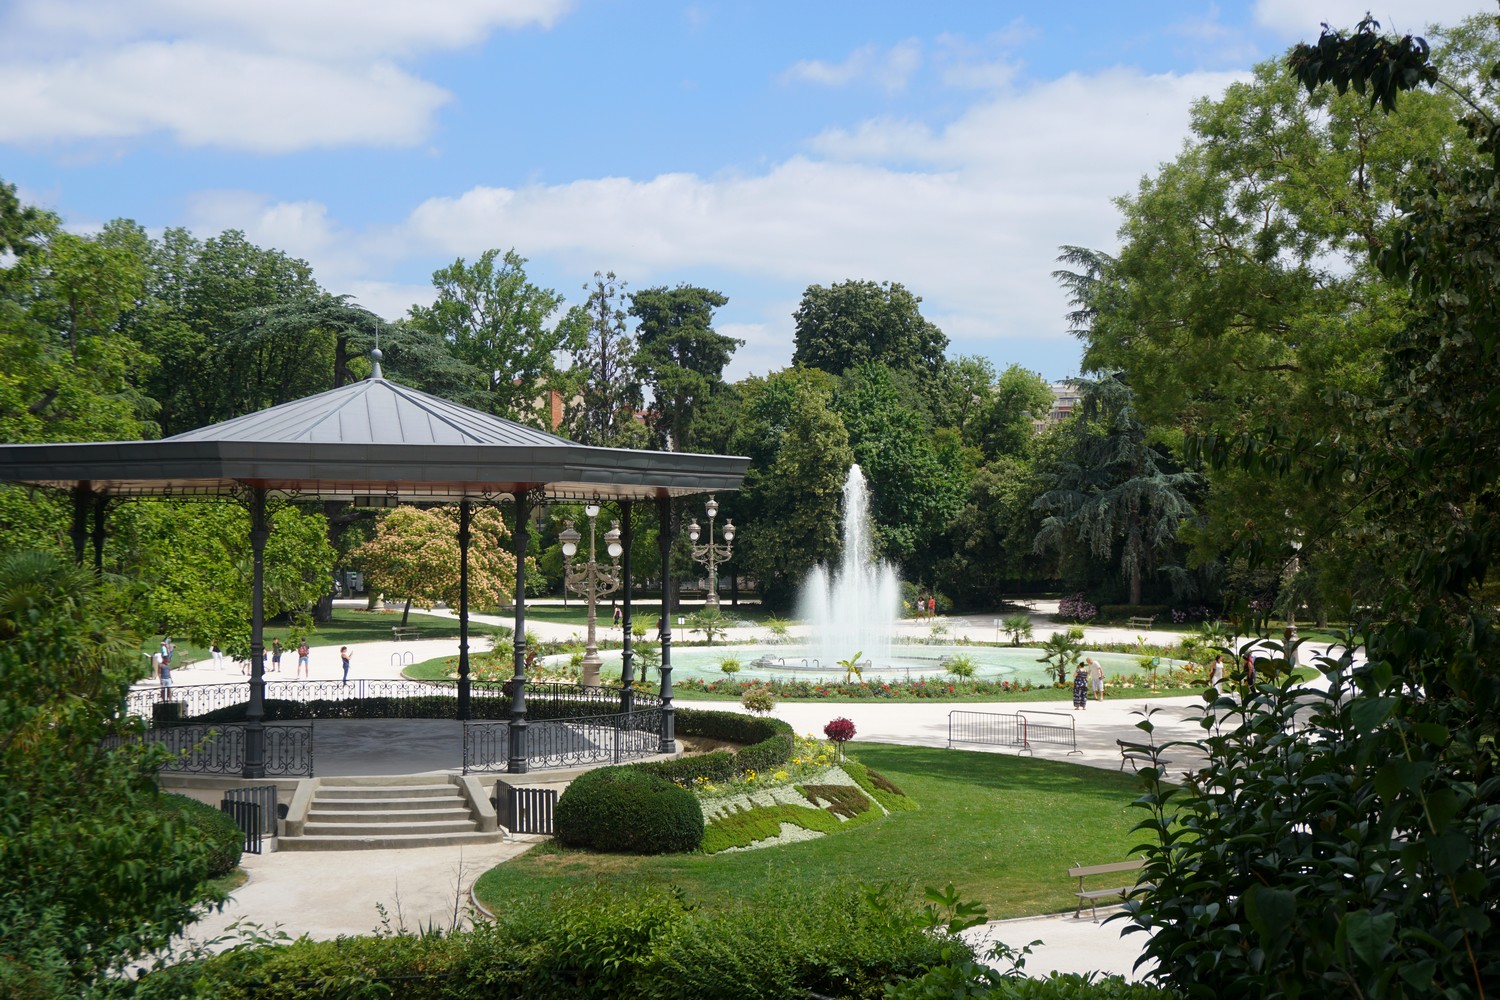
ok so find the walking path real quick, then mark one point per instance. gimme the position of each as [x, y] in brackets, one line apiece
[327, 894]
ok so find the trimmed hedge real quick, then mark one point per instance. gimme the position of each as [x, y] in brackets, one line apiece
[216, 829]
[629, 810]
[767, 745]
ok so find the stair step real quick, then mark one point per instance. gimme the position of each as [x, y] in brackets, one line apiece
[311, 829]
[386, 792]
[453, 812]
[385, 842]
[388, 805]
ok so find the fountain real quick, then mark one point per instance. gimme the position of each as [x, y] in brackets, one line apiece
[854, 608]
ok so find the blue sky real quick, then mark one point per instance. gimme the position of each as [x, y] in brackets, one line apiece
[752, 147]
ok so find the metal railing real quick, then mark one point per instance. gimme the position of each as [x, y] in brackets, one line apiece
[254, 812]
[600, 739]
[1024, 729]
[525, 810]
[219, 748]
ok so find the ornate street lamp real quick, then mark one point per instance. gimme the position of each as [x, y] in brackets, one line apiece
[709, 554]
[591, 581]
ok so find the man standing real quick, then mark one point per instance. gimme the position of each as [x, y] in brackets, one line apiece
[302, 652]
[345, 656]
[276, 654]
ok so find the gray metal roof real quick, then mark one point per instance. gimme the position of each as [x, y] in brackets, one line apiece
[370, 441]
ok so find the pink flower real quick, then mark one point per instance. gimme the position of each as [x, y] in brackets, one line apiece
[840, 730]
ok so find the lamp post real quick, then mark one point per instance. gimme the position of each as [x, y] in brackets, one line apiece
[591, 581]
[709, 554]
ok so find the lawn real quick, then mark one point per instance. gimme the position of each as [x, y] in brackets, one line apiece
[349, 626]
[1003, 829]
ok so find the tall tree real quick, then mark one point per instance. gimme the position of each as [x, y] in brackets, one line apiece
[800, 458]
[497, 321]
[414, 556]
[1111, 490]
[854, 322]
[604, 395]
[1008, 424]
[680, 357]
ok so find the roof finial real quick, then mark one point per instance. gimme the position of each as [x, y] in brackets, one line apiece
[375, 354]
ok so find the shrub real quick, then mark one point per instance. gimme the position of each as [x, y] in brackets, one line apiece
[962, 665]
[1076, 608]
[758, 700]
[840, 730]
[216, 830]
[730, 665]
[629, 810]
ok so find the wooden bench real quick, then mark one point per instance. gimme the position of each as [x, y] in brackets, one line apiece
[402, 633]
[1141, 622]
[1137, 755]
[1092, 896]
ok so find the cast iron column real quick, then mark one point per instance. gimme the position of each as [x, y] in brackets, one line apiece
[520, 533]
[664, 543]
[81, 496]
[255, 713]
[463, 610]
[101, 505]
[627, 641]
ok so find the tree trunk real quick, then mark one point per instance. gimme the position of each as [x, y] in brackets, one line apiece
[405, 612]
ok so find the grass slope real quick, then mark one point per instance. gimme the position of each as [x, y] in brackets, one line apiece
[1003, 829]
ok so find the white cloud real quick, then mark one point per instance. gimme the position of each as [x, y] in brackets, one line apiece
[1299, 20]
[271, 77]
[970, 221]
[890, 69]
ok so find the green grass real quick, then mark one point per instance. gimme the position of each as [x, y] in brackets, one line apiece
[349, 626]
[1003, 829]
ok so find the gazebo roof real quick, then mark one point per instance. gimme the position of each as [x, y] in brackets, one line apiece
[373, 442]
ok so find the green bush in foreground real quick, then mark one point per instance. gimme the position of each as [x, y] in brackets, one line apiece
[222, 838]
[630, 810]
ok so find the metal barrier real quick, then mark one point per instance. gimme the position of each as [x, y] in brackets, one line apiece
[1023, 729]
[599, 739]
[254, 811]
[525, 810]
[219, 748]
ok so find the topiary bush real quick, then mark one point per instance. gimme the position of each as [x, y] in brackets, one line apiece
[628, 810]
[216, 830]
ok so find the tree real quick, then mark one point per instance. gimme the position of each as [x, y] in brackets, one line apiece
[1371, 806]
[415, 556]
[1111, 488]
[95, 874]
[1007, 425]
[604, 395]
[679, 356]
[856, 322]
[967, 383]
[918, 477]
[193, 562]
[800, 457]
[496, 321]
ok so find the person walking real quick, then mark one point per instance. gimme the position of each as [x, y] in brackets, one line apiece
[1081, 688]
[276, 655]
[218, 655]
[345, 656]
[302, 654]
[1096, 677]
[1216, 671]
[163, 665]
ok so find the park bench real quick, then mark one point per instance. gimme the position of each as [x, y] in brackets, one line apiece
[1092, 896]
[1135, 754]
[1141, 621]
[402, 633]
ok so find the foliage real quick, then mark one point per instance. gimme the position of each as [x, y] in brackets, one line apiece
[730, 665]
[851, 666]
[710, 621]
[680, 357]
[95, 872]
[193, 561]
[603, 388]
[758, 700]
[199, 820]
[628, 809]
[415, 555]
[498, 324]
[962, 665]
[1062, 651]
[855, 322]
[840, 730]
[879, 787]
[1076, 608]
[1018, 627]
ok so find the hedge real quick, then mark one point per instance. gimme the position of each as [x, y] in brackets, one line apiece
[216, 829]
[626, 809]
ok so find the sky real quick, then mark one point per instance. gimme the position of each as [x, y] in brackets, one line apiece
[754, 147]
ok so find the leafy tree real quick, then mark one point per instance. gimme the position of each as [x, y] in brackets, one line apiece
[857, 322]
[1006, 425]
[989, 539]
[95, 875]
[193, 562]
[800, 458]
[679, 356]
[496, 322]
[918, 479]
[1347, 836]
[966, 385]
[415, 555]
[1063, 651]
[1111, 488]
[604, 393]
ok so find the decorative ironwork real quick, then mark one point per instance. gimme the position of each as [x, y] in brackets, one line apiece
[254, 812]
[219, 748]
[600, 739]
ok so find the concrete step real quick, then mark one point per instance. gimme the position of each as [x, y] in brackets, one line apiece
[382, 843]
[342, 791]
[404, 829]
[388, 805]
[455, 811]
